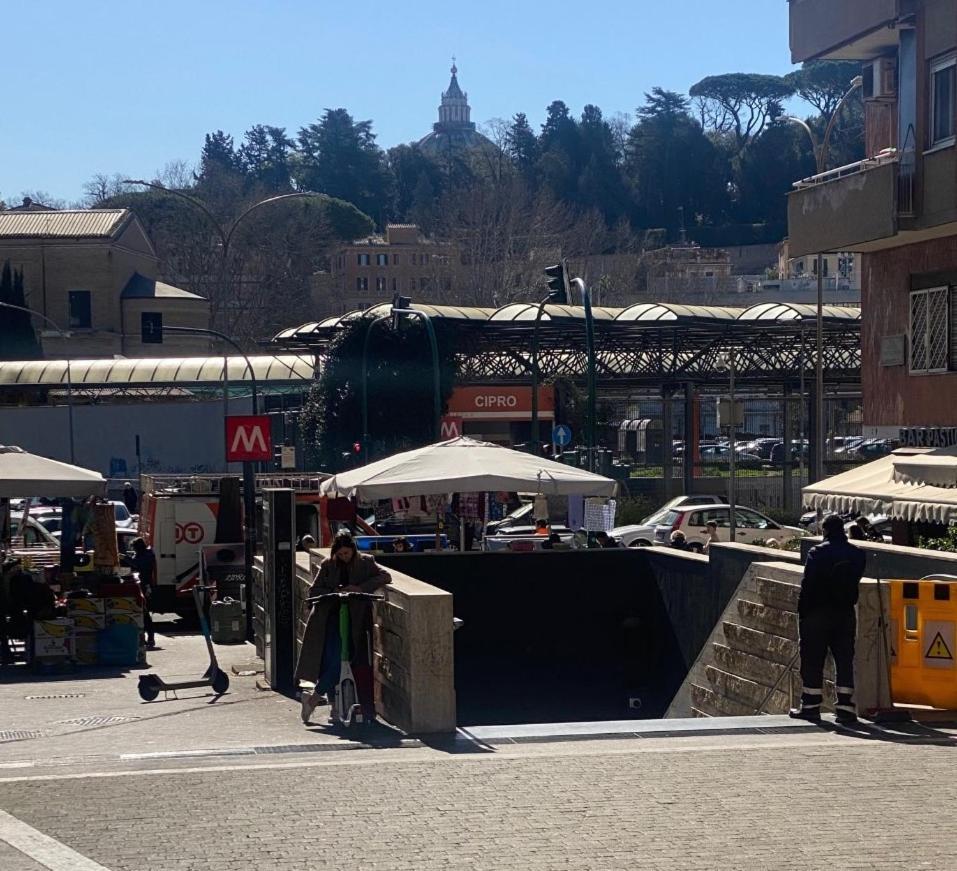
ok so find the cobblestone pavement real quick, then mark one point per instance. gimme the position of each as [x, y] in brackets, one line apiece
[808, 801]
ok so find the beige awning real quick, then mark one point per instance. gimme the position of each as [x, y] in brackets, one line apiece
[464, 465]
[909, 484]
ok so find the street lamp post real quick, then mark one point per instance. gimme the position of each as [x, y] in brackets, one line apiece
[436, 371]
[820, 157]
[726, 362]
[225, 235]
[69, 374]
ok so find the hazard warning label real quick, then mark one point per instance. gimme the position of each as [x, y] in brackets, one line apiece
[940, 647]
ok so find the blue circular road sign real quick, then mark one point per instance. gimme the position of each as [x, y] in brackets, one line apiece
[562, 435]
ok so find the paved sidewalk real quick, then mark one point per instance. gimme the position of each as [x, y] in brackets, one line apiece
[805, 801]
[99, 712]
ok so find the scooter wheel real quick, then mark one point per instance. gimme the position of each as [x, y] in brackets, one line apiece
[220, 682]
[148, 688]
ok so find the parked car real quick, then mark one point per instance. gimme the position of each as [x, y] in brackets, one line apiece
[643, 534]
[34, 533]
[721, 454]
[776, 457]
[524, 537]
[750, 526]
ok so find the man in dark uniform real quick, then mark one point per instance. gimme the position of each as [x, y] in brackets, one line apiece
[827, 621]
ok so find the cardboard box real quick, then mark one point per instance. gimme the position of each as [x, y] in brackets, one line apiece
[75, 607]
[85, 647]
[89, 621]
[61, 627]
[123, 605]
[124, 618]
[47, 647]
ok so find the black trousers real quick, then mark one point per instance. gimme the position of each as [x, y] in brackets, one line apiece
[820, 631]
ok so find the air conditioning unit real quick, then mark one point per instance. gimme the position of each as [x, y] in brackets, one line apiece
[880, 79]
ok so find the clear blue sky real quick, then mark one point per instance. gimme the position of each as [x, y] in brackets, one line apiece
[103, 86]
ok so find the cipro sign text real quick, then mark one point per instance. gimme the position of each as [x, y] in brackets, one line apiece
[496, 401]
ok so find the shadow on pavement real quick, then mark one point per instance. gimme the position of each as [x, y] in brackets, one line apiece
[899, 733]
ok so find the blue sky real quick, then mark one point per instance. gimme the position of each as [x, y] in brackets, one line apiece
[104, 86]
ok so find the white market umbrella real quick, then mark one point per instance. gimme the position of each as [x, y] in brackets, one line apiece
[25, 474]
[464, 465]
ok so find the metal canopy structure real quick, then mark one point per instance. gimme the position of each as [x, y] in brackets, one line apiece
[647, 344]
[156, 372]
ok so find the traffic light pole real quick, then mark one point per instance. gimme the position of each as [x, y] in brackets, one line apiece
[590, 363]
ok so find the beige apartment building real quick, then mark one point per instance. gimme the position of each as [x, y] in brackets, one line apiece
[93, 273]
[372, 270]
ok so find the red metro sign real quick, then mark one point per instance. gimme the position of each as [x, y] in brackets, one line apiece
[248, 438]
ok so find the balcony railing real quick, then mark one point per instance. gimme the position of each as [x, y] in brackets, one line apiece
[888, 155]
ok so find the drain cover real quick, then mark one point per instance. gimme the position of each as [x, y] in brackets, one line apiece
[18, 735]
[55, 696]
[95, 721]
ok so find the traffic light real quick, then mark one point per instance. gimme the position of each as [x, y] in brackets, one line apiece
[557, 284]
[356, 448]
[399, 302]
[151, 328]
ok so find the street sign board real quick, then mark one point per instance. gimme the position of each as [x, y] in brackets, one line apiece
[248, 438]
[562, 435]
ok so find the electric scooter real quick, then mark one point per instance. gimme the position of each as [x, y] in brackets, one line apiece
[151, 685]
[346, 708]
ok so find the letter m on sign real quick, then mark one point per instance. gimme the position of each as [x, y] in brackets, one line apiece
[248, 438]
[451, 428]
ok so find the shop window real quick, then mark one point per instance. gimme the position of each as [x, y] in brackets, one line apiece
[929, 334]
[362, 284]
[81, 315]
[382, 260]
[942, 97]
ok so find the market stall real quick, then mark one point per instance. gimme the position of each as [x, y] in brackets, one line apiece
[58, 607]
[465, 466]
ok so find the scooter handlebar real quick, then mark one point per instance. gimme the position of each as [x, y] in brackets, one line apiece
[372, 597]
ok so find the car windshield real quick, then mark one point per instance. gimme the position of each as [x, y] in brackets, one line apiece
[119, 509]
[669, 518]
[652, 519]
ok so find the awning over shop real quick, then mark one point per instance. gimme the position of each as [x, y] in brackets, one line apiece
[911, 484]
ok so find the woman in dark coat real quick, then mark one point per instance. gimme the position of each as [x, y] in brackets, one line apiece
[345, 571]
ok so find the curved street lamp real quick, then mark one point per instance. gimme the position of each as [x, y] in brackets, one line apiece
[69, 375]
[820, 158]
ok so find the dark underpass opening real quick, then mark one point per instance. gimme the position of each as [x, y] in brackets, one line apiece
[566, 636]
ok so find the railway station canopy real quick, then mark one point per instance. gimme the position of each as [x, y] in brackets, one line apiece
[642, 344]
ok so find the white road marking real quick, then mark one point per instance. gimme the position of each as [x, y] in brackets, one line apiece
[48, 851]
[416, 756]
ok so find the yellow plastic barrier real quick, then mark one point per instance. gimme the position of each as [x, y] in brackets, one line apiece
[923, 627]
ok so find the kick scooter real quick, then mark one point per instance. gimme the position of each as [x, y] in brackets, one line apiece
[151, 685]
[346, 708]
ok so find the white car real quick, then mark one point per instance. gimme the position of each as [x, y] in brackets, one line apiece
[750, 526]
[643, 534]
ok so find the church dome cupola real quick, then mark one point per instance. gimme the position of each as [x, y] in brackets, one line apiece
[454, 111]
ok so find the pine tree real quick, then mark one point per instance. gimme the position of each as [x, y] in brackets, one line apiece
[18, 341]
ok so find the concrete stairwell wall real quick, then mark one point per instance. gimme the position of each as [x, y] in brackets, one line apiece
[751, 665]
[750, 648]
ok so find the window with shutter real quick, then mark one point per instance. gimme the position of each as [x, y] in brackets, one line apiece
[929, 330]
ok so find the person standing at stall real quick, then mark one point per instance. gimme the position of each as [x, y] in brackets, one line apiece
[143, 562]
[130, 499]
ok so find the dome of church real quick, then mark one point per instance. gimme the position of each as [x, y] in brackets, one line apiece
[454, 135]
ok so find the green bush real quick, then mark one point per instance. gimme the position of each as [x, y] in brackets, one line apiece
[948, 541]
[632, 511]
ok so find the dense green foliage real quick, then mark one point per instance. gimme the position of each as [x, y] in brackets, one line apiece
[400, 394]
